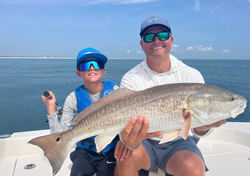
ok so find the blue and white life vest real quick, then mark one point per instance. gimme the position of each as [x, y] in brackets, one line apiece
[83, 101]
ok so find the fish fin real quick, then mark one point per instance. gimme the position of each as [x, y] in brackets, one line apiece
[101, 141]
[53, 148]
[187, 124]
[167, 136]
[113, 96]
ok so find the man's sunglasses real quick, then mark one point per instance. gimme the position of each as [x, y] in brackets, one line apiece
[161, 36]
[85, 66]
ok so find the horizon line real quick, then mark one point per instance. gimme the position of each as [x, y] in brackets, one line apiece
[57, 57]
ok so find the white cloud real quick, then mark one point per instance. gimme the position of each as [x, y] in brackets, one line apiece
[174, 50]
[197, 5]
[138, 51]
[200, 48]
[128, 51]
[207, 49]
[189, 48]
[226, 50]
[212, 11]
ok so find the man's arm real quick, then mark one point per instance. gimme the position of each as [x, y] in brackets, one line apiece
[207, 129]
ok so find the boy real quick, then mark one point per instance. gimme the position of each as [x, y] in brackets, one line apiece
[90, 67]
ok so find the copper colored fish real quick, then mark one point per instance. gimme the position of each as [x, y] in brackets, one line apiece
[162, 105]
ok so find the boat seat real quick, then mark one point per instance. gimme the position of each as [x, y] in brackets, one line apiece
[42, 166]
[228, 164]
[7, 166]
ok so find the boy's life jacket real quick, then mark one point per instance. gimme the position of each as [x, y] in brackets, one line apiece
[83, 101]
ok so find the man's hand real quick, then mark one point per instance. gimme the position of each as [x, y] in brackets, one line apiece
[204, 129]
[121, 151]
[136, 131]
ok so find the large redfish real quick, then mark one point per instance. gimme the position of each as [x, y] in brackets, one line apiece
[162, 105]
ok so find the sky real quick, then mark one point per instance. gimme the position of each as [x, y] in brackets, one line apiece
[202, 29]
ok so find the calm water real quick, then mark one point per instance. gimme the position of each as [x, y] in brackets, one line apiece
[22, 82]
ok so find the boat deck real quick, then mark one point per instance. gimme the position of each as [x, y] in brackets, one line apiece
[226, 152]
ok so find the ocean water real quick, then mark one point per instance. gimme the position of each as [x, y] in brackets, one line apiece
[22, 82]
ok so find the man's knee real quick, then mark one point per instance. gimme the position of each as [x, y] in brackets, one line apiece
[186, 163]
[132, 164]
[128, 169]
[128, 165]
[190, 169]
[136, 161]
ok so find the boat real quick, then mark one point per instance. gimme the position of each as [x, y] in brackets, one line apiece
[226, 152]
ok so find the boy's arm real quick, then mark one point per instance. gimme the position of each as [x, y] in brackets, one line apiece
[69, 110]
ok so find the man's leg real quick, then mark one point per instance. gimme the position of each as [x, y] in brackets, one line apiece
[137, 160]
[181, 158]
[185, 163]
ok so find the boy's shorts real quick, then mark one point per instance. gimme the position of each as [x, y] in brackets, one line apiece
[159, 154]
[86, 163]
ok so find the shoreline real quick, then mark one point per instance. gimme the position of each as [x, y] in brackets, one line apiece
[45, 57]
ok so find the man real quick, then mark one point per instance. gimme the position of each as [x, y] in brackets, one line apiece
[178, 157]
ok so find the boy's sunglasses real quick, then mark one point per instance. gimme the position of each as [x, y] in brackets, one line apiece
[161, 36]
[85, 66]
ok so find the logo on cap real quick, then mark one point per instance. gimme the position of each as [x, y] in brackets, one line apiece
[90, 52]
[153, 20]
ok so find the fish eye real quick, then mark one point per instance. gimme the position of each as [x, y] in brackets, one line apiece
[232, 99]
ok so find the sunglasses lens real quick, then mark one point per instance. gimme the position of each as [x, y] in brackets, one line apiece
[163, 36]
[85, 66]
[149, 38]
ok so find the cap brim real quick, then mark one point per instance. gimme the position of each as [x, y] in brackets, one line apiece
[141, 33]
[103, 58]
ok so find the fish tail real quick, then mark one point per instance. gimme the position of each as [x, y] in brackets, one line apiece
[55, 149]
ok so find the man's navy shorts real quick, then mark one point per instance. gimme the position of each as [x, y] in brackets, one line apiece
[159, 154]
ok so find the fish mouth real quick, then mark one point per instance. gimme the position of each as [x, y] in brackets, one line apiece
[237, 111]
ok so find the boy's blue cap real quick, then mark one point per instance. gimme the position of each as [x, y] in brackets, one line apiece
[154, 20]
[90, 53]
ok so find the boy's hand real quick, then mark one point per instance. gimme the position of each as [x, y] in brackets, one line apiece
[50, 103]
[121, 151]
[136, 131]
